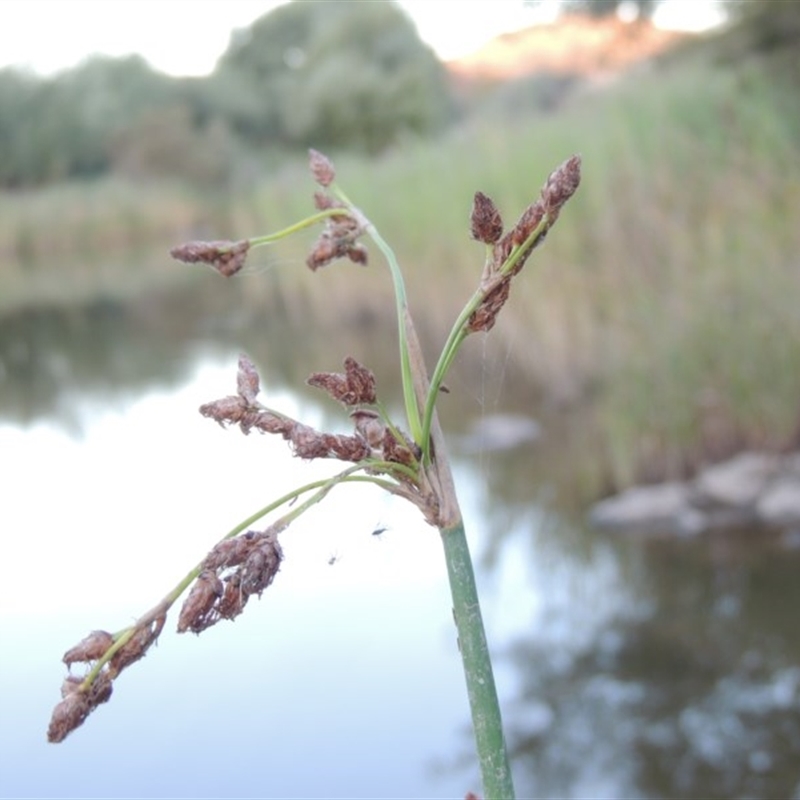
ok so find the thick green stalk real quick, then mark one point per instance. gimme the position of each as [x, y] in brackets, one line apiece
[486, 719]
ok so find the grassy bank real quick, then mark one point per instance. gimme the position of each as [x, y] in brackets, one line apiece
[667, 295]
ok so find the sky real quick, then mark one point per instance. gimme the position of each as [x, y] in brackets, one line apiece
[49, 35]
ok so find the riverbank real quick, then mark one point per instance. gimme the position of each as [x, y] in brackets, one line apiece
[752, 490]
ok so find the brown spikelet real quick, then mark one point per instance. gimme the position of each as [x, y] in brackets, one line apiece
[337, 240]
[233, 599]
[91, 648]
[247, 380]
[76, 706]
[360, 381]
[486, 224]
[561, 185]
[527, 224]
[219, 593]
[485, 315]
[198, 607]
[400, 452]
[321, 167]
[262, 565]
[229, 552]
[358, 384]
[355, 387]
[529, 232]
[145, 635]
[226, 257]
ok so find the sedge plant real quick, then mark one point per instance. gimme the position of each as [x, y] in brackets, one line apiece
[407, 458]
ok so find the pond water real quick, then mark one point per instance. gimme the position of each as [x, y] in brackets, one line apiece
[626, 667]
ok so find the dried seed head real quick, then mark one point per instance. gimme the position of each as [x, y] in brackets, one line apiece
[247, 382]
[561, 185]
[71, 712]
[256, 555]
[532, 227]
[337, 240]
[321, 168]
[357, 384]
[486, 224]
[526, 225]
[345, 448]
[91, 648]
[233, 599]
[229, 552]
[485, 315]
[355, 387]
[360, 381]
[226, 257]
[198, 608]
[137, 646]
[68, 715]
[333, 383]
[401, 453]
[262, 565]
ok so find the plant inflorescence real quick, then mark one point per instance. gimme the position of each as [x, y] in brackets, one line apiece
[407, 458]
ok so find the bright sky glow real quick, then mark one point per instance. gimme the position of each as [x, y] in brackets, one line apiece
[186, 37]
[686, 15]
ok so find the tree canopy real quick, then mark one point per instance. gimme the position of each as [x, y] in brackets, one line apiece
[327, 74]
[341, 74]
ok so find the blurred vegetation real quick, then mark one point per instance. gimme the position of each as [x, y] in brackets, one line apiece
[332, 75]
[665, 303]
[605, 8]
[328, 74]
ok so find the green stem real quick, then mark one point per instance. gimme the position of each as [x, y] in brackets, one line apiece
[324, 485]
[486, 718]
[459, 331]
[401, 303]
[269, 238]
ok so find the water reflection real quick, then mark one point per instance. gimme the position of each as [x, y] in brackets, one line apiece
[626, 667]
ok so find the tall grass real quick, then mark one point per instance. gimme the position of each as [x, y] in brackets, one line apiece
[674, 301]
[672, 304]
[68, 243]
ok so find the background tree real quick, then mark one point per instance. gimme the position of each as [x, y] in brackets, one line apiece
[63, 127]
[603, 8]
[342, 74]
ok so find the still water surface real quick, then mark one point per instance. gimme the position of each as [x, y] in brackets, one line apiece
[626, 667]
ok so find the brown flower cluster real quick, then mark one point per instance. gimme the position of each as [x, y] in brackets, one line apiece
[234, 571]
[355, 387]
[80, 698]
[372, 438]
[243, 410]
[226, 257]
[322, 169]
[339, 237]
[486, 226]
